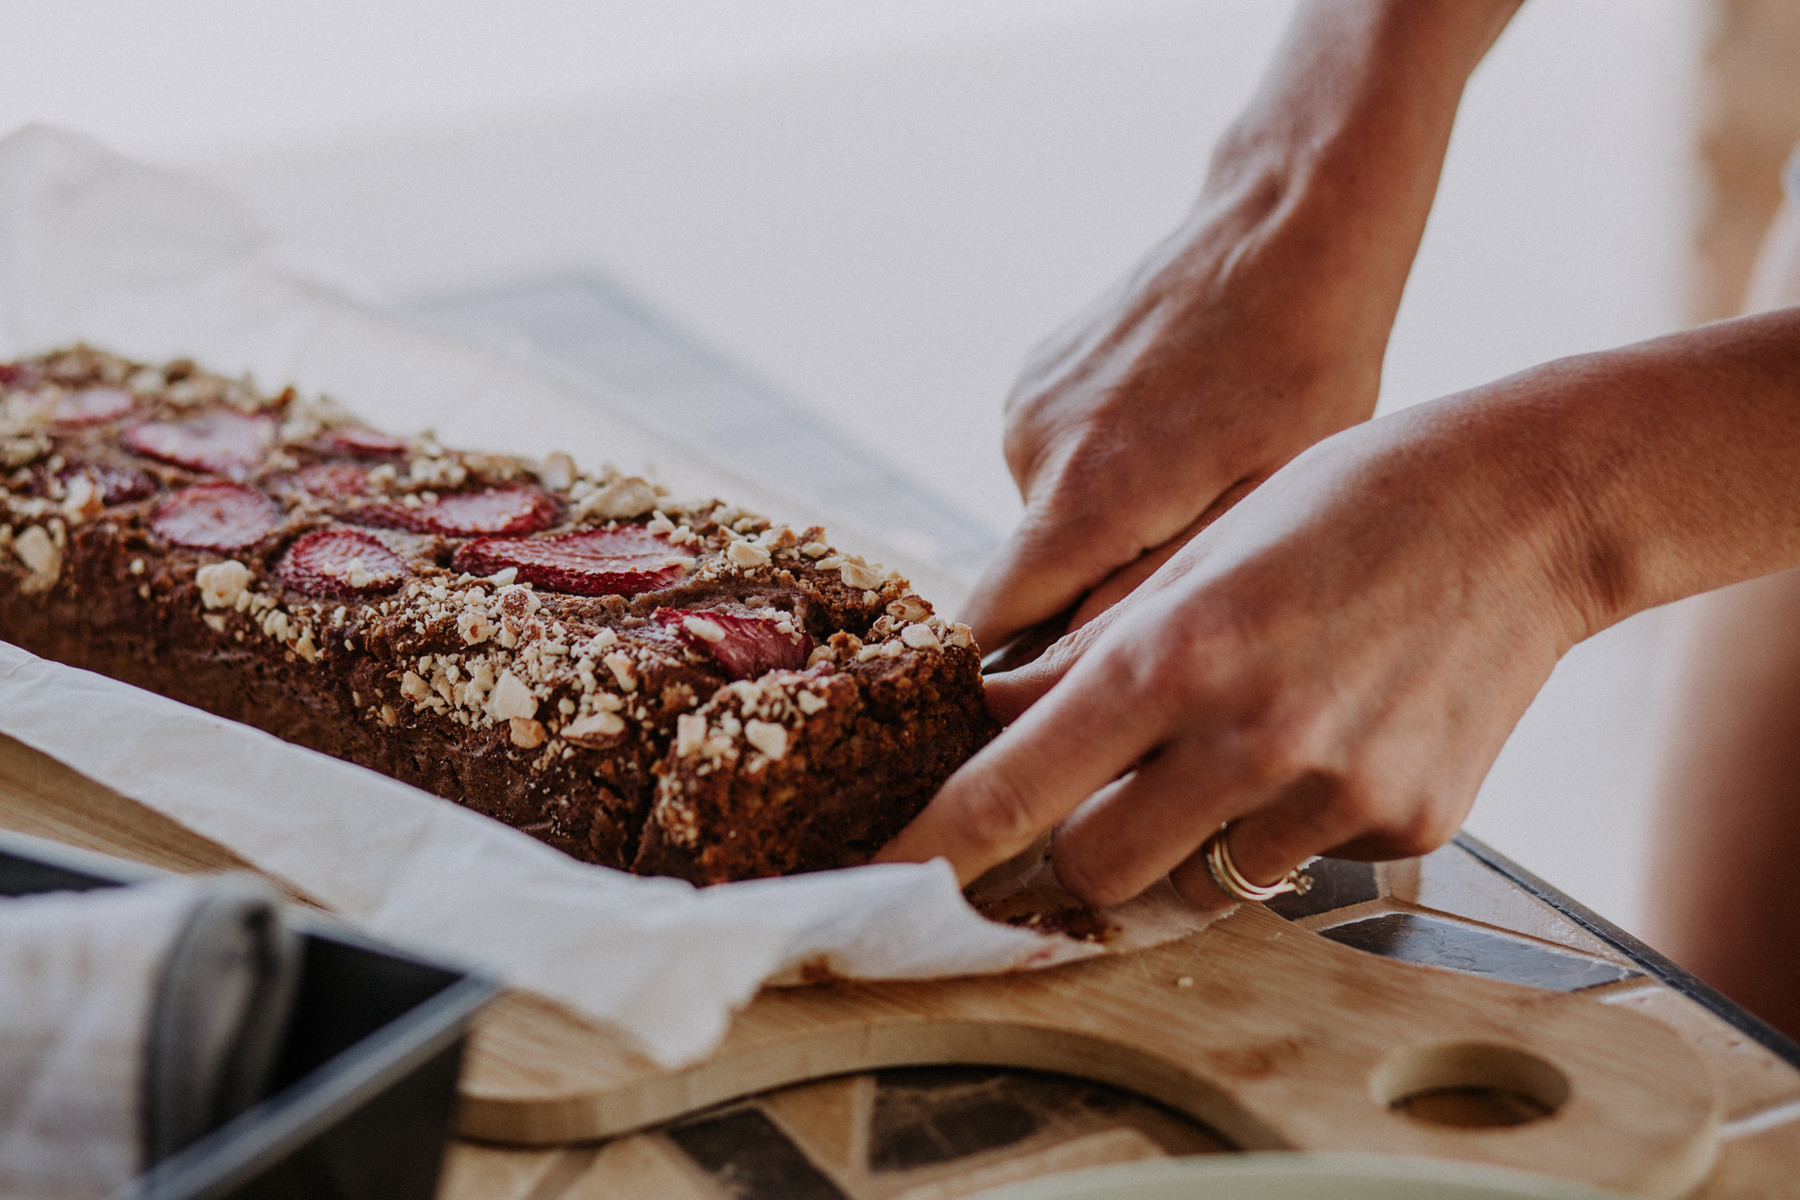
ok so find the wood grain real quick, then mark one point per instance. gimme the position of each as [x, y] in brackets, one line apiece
[1281, 1040]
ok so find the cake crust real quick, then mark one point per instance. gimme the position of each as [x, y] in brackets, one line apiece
[678, 688]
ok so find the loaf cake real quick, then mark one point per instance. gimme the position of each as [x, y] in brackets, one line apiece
[676, 688]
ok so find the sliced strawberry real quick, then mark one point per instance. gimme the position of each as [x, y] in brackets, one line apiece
[90, 406]
[745, 646]
[496, 512]
[117, 485]
[332, 481]
[340, 562]
[361, 442]
[215, 516]
[21, 374]
[593, 562]
[222, 442]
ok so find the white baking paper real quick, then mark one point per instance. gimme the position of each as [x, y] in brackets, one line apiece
[96, 248]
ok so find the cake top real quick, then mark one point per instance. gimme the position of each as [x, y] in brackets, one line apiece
[566, 605]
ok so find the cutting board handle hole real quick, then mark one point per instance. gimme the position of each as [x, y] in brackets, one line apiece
[1469, 1085]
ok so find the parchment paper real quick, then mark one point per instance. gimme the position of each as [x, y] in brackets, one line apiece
[96, 248]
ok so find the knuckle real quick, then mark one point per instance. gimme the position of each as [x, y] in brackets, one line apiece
[1428, 825]
[1357, 805]
[1272, 754]
[1091, 884]
[996, 815]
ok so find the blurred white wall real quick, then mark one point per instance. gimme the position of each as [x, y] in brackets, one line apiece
[881, 206]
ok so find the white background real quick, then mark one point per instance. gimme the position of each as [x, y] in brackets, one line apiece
[880, 206]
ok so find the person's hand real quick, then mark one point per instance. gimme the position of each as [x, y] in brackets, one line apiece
[1332, 666]
[1253, 331]
[1183, 389]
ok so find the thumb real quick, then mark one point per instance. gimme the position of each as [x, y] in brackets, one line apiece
[1044, 567]
[1009, 694]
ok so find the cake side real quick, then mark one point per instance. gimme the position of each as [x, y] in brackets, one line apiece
[517, 636]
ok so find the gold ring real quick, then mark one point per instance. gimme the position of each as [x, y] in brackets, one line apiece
[1231, 881]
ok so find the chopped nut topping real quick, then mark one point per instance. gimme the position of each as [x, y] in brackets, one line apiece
[920, 637]
[747, 555]
[474, 626]
[619, 500]
[414, 687]
[22, 451]
[527, 734]
[83, 502]
[598, 728]
[557, 471]
[960, 636]
[41, 556]
[908, 608]
[510, 699]
[811, 702]
[704, 629]
[857, 575]
[690, 734]
[222, 583]
[771, 739]
[623, 670]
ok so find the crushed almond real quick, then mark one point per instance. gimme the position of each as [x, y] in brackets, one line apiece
[510, 699]
[222, 584]
[767, 737]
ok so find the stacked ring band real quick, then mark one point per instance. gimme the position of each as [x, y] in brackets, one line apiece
[1231, 881]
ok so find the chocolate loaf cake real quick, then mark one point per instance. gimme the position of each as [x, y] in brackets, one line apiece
[671, 688]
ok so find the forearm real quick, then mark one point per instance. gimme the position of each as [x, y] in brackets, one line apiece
[1336, 159]
[1636, 476]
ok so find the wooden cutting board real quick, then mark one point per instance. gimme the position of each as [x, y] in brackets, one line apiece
[1277, 1038]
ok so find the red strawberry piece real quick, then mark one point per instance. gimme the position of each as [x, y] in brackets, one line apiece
[332, 481]
[361, 442]
[117, 485]
[90, 406]
[745, 646]
[215, 516]
[496, 512]
[221, 441]
[593, 562]
[340, 562]
[21, 374]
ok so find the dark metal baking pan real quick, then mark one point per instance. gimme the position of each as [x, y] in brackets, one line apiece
[366, 1086]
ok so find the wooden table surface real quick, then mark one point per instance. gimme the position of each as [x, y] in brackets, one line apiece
[938, 1133]
[922, 1133]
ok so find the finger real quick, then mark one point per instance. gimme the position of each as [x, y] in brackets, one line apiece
[1010, 694]
[1125, 580]
[1304, 818]
[1045, 566]
[1080, 738]
[1139, 830]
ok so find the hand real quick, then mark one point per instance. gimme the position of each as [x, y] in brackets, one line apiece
[1178, 393]
[1253, 331]
[1332, 666]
